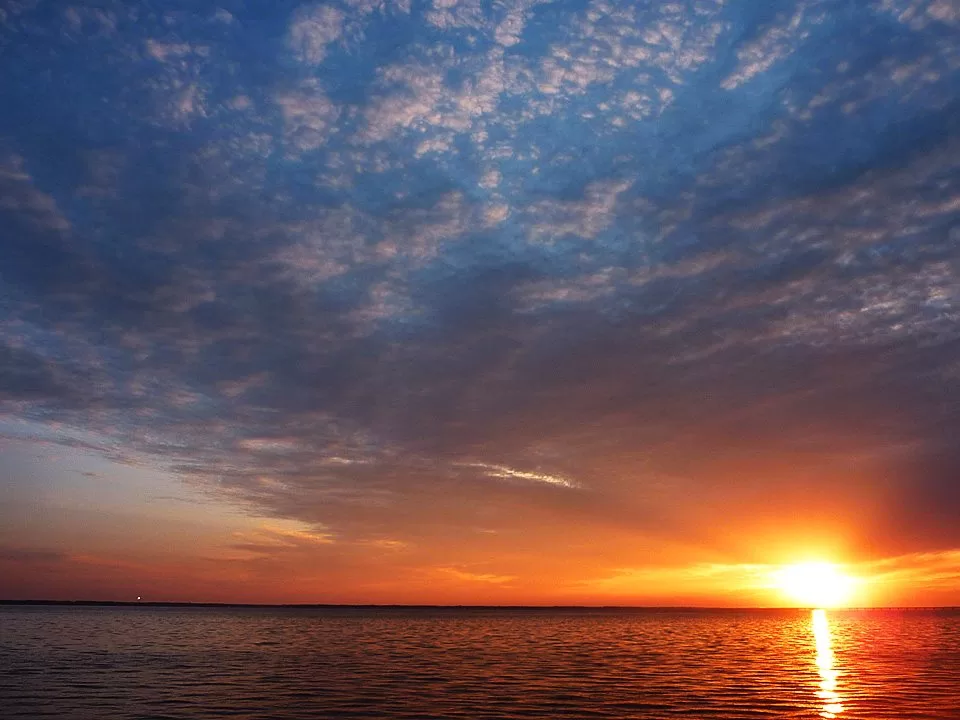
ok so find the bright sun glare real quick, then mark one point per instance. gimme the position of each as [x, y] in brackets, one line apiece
[815, 584]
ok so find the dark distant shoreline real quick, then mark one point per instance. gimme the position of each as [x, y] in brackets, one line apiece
[362, 606]
[344, 606]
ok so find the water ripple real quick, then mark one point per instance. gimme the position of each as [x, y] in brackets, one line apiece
[285, 664]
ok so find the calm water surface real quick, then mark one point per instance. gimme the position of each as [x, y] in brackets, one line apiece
[360, 663]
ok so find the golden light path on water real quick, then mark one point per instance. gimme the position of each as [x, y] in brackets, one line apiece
[832, 706]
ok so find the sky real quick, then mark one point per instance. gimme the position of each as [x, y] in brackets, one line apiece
[470, 302]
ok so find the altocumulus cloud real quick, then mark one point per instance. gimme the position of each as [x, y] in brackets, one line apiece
[401, 271]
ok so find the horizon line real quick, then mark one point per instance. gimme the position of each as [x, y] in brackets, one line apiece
[429, 606]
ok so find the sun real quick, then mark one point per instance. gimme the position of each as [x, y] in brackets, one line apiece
[815, 584]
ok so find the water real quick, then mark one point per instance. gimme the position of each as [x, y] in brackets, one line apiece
[73, 662]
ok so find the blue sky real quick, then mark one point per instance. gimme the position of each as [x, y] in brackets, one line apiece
[635, 283]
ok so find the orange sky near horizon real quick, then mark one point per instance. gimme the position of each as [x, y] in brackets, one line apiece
[174, 542]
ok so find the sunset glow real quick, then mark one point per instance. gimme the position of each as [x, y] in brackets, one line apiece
[816, 584]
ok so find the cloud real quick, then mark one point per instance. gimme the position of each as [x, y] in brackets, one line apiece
[505, 473]
[283, 538]
[509, 31]
[168, 51]
[24, 376]
[472, 577]
[535, 295]
[417, 98]
[417, 234]
[365, 7]
[608, 40]
[309, 116]
[312, 29]
[895, 580]
[915, 572]
[21, 198]
[771, 45]
[91, 21]
[447, 14]
[30, 556]
[408, 108]
[586, 218]
[558, 273]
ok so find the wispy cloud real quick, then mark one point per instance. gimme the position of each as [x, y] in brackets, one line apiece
[502, 472]
[473, 577]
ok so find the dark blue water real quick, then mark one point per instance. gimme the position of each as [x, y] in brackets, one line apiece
[90, 662]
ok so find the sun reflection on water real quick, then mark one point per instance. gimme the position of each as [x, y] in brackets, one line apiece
[831, 707]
